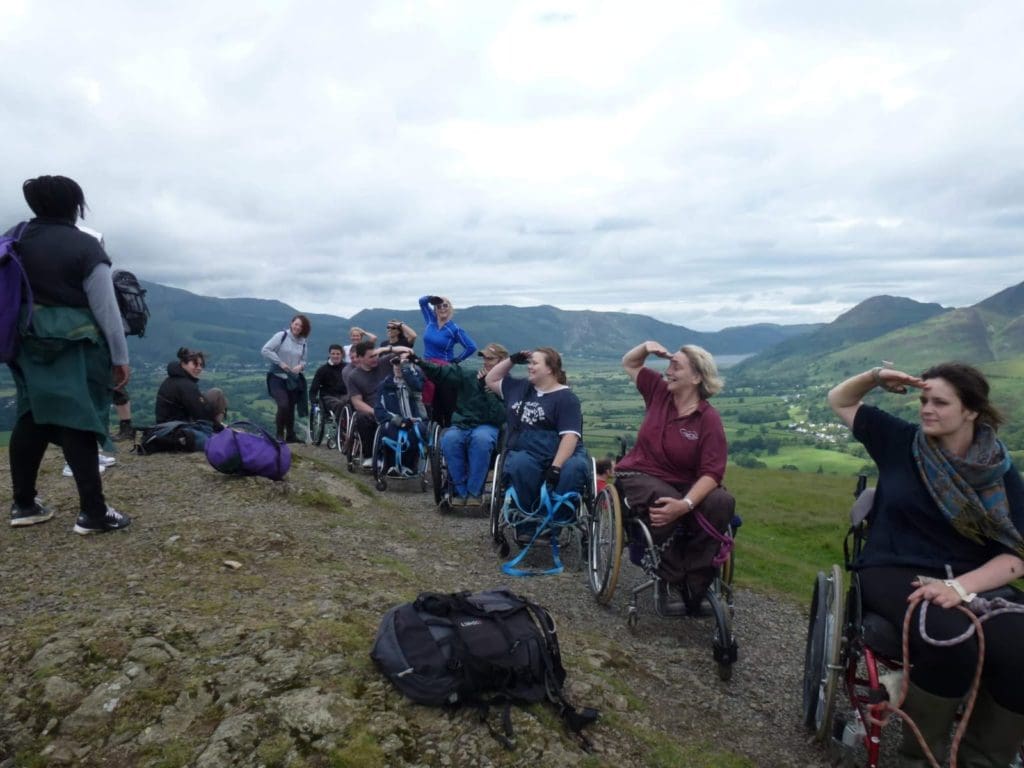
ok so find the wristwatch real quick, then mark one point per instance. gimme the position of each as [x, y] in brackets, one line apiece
[965, 596]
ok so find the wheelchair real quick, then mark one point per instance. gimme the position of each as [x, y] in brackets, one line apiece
[385, 450]
[332, 426]
[855, 649]
[440, 481]
[352, 445]
[610, 533]
[510, 525]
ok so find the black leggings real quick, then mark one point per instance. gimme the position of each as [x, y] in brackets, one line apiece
[28, 444]
[948, 671]
[286, 400]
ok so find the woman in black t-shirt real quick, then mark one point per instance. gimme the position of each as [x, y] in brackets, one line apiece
[947, 522]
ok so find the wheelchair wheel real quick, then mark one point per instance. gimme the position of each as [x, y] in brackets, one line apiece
[344, 427]
[723, 643]
[604, 545]
[438, 476]
[821, 655]
[317, 423]
[497, 499]
[378, 460]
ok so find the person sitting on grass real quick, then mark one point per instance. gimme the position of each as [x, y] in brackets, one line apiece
[180, 399]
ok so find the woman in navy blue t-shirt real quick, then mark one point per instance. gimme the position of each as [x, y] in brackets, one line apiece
[949, 506]
[545, 426]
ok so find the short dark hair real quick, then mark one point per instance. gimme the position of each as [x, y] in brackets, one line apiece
[55, 196]
[336, 347]
[306, 326]
[971, 387]
[186, 355]
[361, 348]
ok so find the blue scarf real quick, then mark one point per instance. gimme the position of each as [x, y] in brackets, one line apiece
[970, 491]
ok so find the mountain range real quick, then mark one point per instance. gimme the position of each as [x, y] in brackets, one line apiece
[910, 335]
[233, 330]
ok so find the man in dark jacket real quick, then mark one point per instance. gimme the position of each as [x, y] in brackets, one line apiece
[328, 384]
[468, 444]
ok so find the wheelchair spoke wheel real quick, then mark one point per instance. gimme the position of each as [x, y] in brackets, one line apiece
[821, 654]
[437, 474]
[317, 421]
[497, 498]
[604, 545]
[344, 429]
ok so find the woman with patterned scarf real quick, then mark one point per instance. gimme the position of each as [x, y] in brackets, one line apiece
[949, 505]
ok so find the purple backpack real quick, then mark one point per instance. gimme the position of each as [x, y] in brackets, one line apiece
[244, 448]
[14, 291]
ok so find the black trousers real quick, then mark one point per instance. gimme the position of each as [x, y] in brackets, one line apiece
[28, 444]
[948, 671]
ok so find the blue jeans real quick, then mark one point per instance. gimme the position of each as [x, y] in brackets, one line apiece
[474, 447]
[525, 466]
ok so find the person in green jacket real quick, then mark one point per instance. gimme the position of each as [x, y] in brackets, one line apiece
[468, 444]
[70, 361]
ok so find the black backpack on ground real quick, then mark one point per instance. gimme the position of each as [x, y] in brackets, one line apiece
[166, 437]
[131, 300]
[476, 649]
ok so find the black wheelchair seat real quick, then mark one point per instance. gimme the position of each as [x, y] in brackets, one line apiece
[882, 636]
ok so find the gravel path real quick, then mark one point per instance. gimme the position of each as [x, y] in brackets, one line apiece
[265, 663]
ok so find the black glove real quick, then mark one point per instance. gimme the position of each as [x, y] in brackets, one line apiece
[435, 300]
[518, 358]
[552, 475]
[412, 358]
[406, 424]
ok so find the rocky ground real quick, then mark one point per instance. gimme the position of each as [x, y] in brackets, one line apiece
[231, 626]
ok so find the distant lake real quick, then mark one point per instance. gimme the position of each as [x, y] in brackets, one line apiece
[725, 361]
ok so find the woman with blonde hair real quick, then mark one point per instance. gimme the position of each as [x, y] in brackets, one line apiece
[676, 467]
[440, 339]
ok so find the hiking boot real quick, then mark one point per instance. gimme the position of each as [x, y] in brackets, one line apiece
[35, 514]
[124, 432]
[474, 501]
[112, 521]
[667, 600]
[292, 438]
[103, 467]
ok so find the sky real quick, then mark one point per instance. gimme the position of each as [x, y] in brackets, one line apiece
[710, 164]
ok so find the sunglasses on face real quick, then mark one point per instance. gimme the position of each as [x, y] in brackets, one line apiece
[444, 305]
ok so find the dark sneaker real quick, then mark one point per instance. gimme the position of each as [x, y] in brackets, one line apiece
[35, 514]
[667, 601]
[112, 521]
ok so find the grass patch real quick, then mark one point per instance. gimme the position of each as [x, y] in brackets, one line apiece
[318, 498]
[360, 752]
[662, 752]
[793, 526]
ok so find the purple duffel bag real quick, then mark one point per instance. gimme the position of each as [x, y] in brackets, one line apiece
[244, 448]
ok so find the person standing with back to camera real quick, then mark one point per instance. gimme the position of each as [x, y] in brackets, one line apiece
[71, 361]
[440, 338]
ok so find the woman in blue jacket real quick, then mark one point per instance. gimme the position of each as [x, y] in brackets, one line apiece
[440, 339]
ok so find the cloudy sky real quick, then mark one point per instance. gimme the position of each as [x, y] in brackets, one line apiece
[707, 163]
